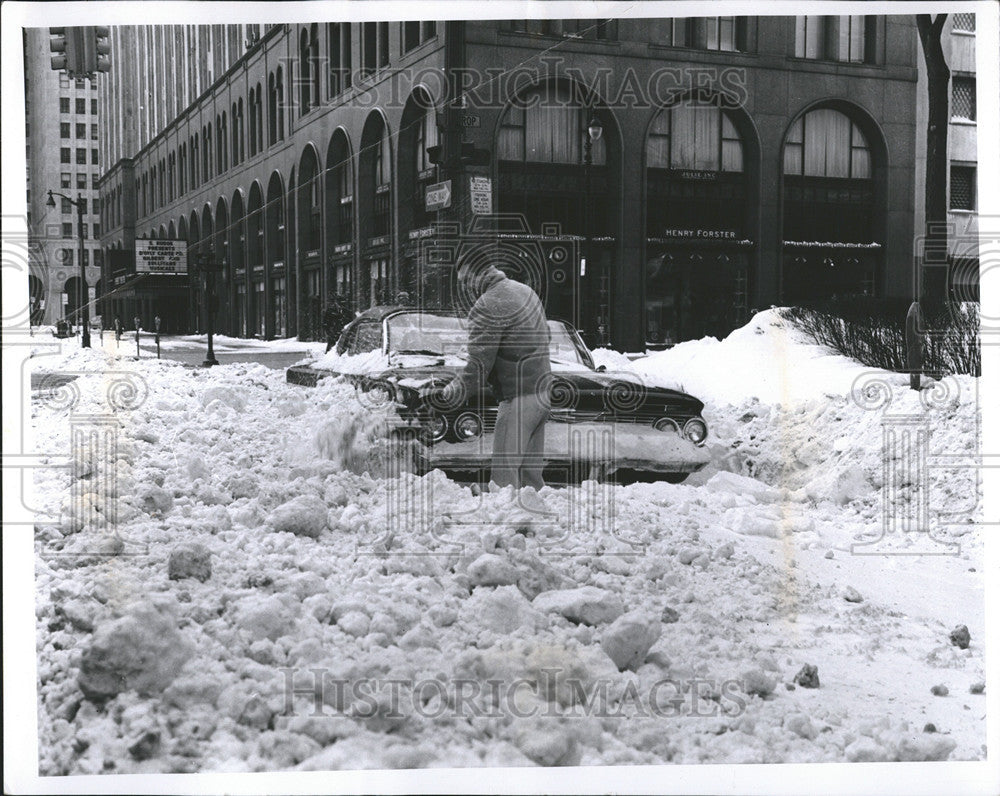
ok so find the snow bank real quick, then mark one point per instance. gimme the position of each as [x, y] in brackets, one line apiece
[645, 624]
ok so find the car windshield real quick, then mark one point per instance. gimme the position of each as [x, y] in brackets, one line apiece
[427, 334]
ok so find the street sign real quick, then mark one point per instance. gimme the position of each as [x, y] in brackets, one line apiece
[471, 120]
[481, 195]
[160, 256]
[438, 196]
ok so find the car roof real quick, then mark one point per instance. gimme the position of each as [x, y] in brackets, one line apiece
[383, 311]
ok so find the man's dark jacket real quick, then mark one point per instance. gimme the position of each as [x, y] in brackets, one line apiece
[508, 340]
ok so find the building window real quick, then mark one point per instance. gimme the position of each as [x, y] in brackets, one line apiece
[81, 106]
[93, 180]
[66, 207]
[338, 36]
[369, 45]
[374, 46]
[962, 195]
[64, 155]
[80, 83]
[67, 229]
[93, 132]
[415, 34]
[964, 22]
[84, 229]
[308, 68]
[846, 38]
[826, 143]
[548, 126]
[723, 34]
[81, 157]
[83, 205]
[94, 157]
[963, 97]
[81, 181]
[64, 129]
[81, 130]
[97, 230]
[64, 105]
[93, 107]
[66, 255]
[66, 180]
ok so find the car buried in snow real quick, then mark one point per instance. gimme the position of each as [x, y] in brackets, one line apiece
[603, 425]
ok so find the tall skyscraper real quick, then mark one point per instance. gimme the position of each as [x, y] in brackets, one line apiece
[62, 156]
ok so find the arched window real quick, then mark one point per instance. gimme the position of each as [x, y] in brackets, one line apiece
[339, 191]
[546, 125]
[279, 88]
[253, 122]
[826, 143]
[694, 136]
[305, 79]
[240, 134]
[832, 208]
[272, 110]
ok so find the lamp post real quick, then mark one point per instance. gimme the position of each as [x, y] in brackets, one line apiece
[594, 131]
[82, 287]
[208, 265]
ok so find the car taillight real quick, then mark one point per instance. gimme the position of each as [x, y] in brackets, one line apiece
[468, 426]
[437, 427]
[696, 430]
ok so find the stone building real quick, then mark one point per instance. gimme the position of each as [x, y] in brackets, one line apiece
[659, 178]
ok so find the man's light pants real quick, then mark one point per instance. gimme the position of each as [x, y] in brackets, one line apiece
[519, 441]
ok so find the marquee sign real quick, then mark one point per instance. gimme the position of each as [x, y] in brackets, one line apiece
[160, 256]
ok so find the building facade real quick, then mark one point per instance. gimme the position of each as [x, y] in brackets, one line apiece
[61, 116]
[958, 42]
[658, 179]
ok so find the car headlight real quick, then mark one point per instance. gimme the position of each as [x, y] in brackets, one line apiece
[667, 424]
[468, 425]
[696, 430]
[437, 427]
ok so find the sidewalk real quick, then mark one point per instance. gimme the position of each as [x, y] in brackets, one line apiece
[192, 349]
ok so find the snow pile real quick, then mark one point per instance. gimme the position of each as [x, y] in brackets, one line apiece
[270, 600]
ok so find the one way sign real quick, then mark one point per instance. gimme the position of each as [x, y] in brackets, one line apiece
[438, 196]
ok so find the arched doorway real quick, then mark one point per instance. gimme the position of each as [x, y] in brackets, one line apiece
[699, 221]
[36, 299]
[833, 206]
[255, 262]
[309, 230]
[223, 274]
[237, 255]
[557, 176]
[274, 239]
[339, 204]
[375, 211]
[418, 132]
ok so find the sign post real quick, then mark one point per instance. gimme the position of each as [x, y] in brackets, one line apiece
[481, 195]
[137, 322]
[438, 196]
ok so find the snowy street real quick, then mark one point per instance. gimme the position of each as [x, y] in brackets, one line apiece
[234, 586]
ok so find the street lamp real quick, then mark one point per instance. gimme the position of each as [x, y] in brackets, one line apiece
[594, 131]
[82, 287]
[209, 266]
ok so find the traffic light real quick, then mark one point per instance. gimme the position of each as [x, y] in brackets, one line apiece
[434, 154]
[102, 48]
[61, 45]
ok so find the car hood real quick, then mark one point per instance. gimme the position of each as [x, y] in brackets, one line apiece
[583, 382]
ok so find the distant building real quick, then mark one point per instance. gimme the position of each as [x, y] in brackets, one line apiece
[958, 41]
[61, 117]
[742, 162]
